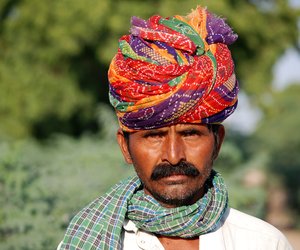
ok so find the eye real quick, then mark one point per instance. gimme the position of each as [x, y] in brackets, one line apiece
[190, 133]
[154, 134]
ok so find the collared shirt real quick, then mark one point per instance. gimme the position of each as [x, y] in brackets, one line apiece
[236, 231]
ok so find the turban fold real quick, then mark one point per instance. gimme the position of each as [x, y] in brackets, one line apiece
[174, 70]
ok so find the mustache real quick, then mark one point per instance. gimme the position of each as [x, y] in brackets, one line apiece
[163, 170]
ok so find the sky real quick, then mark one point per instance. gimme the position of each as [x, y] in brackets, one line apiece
[287, 69]
[295, 3]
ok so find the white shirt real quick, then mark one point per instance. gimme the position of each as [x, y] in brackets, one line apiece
[236, 231]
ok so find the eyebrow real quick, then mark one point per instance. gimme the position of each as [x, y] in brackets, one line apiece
[191, 130]
[155, 131]
[192, 127]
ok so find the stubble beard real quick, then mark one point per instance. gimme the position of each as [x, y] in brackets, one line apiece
[179, 195]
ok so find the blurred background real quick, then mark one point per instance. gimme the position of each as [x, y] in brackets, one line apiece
[57, 132]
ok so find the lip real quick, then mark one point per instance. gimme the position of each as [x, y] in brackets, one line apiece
[175, 179]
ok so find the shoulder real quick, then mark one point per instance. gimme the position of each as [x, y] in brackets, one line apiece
[239, 226]
[247, 222]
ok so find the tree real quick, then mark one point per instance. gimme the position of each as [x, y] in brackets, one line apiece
[278, 137]
[55, 55]
[43, 186]
[38, 40]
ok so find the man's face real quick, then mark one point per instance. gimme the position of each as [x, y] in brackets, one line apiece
[172, 162]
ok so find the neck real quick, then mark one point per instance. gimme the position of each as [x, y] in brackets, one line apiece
[175, 243]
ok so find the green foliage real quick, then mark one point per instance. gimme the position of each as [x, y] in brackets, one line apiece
[279, 138]
[55, 55]
[38, 42]
[43, 186]
[234, 168]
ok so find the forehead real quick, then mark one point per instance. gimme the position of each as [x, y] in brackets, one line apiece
[177, 127]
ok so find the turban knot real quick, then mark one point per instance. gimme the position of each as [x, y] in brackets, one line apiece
[174, 70]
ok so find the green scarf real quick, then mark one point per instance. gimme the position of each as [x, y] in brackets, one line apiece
[99, 225]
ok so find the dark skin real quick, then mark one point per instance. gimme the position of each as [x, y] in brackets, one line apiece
[194, 144]
[177, 243]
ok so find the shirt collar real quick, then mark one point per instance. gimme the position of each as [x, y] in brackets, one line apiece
[129, 226]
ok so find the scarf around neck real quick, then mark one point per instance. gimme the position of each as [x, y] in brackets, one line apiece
[99, 225]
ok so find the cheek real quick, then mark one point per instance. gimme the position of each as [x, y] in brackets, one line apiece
[200, 154]
[143, 151]
[144, 162]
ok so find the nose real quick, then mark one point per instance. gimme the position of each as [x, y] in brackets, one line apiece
[173, 150]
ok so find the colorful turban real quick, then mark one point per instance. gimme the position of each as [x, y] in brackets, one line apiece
[174, 70]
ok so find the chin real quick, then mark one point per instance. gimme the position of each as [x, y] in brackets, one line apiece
[179, 198]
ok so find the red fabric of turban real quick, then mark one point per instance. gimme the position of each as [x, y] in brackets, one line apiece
[174, 70]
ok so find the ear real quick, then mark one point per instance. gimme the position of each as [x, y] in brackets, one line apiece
[219, 140]
[124, 146]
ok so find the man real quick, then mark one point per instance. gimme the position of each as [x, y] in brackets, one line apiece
[172, 83]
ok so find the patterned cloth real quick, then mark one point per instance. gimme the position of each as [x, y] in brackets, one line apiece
[174, 70]
[99, 225]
